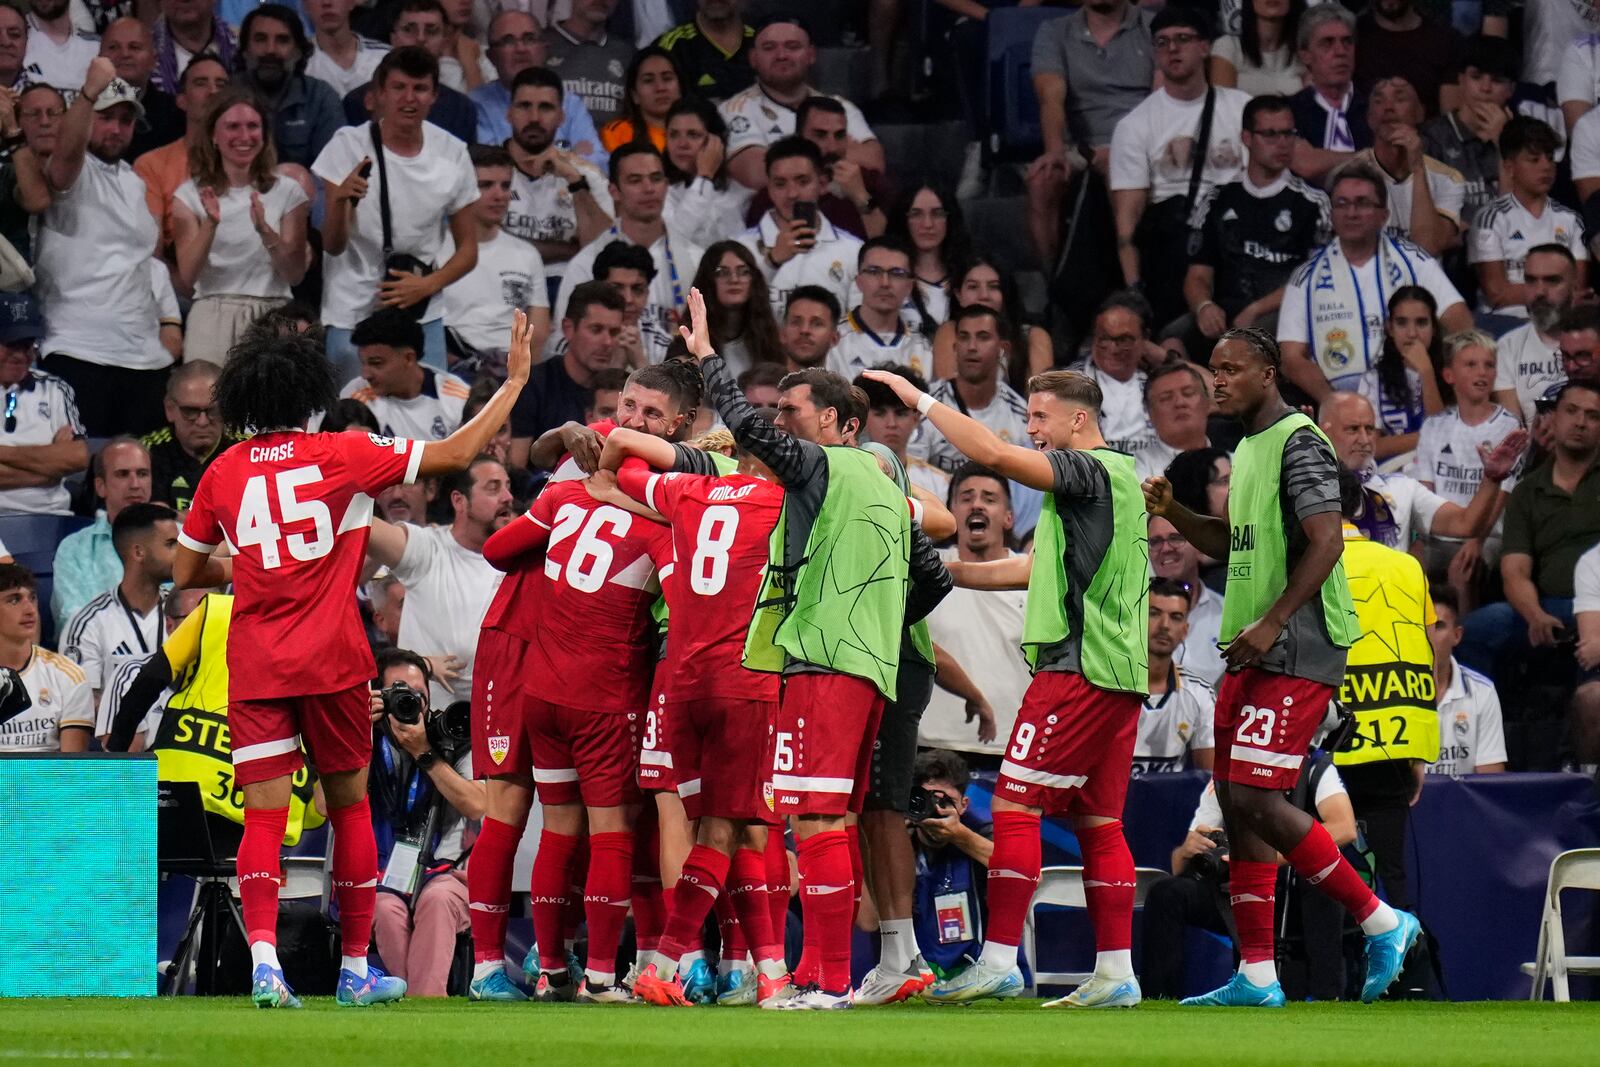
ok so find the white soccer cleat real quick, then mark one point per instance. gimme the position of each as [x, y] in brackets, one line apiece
[813, 999]
[885, 986]
[1100, 992]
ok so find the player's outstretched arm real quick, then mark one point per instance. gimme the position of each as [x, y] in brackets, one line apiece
[972, 438]
[570, 438]
[200, 570]
[458, 450]
[936, 520]
[622, 443]
[1009, 573]
[1205, 532]
[516, 539]
[387, 543]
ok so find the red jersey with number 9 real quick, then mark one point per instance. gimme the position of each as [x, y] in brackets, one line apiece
[296, 508]
[593, 649]
[720, 531]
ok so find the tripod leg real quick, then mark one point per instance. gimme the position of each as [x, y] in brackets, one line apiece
[178, 969]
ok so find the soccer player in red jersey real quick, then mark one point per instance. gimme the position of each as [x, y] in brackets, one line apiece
[584, 678]
[719, 712]
[295, 509]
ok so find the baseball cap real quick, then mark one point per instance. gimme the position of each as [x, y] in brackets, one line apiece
[118, 92]
[20, 318]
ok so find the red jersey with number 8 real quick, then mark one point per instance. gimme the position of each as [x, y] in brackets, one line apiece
[296, 509]
[720, 530]
[593, 649]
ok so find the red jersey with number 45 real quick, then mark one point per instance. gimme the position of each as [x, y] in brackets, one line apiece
[593, 648]
[720, 533]
[296, 508]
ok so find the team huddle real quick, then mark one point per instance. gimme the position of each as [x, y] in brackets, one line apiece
[726, 636]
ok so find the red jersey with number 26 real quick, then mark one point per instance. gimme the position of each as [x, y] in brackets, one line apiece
[594, 649]
[720, 533]
[296, 508]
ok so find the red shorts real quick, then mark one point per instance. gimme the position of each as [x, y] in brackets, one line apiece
[266, 735]
[583, 755]
[712, 742]
[656, 770]
[820, 746]
[1071, 751]
[1264, 725]
[499, 741]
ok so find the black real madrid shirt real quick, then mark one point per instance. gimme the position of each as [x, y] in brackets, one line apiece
[1254, 237]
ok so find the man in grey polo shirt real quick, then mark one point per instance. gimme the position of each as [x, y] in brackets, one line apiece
[593, 64]
[1090, 68]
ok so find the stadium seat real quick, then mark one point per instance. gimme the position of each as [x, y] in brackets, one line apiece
[1012, 108]
[1577, 868]
[1062, 887]
[32, 541]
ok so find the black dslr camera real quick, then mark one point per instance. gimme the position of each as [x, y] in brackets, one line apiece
[404, 704]
[450, 730]
[928, 804]
[1210, 866]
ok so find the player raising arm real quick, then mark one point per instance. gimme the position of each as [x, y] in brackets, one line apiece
[1287, 622]
[296, 507]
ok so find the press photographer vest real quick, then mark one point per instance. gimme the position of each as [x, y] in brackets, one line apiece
[1388, 680]
[1258, 555]
[193, 744]
[843, 606]
[1114, 633]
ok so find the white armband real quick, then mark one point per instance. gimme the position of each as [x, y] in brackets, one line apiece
[925, 403]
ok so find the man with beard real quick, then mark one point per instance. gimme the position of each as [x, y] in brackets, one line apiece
[188, 28]
[810, 327]
[57, 54]
[1528, 359]
[95, 241]
[273, 54]
[515, 45]
[559, 201]
[181, 450]
[128, 45]
[447, 581]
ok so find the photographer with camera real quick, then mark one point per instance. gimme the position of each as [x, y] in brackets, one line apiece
[1197, 891]
[953, 850]
[423, 796]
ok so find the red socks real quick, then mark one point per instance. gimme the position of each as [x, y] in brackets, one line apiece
[747, 894]
[552, 866]
[733, 946]
[1316, 859]
[605, 898]
[649, 903]
[827, 904]
[489, 888]
[1013, 874]
[1253, 885]
[355, 875]
[1108, 883]
[776, 861]
[260, 871]
[704, 872]
[857, 870]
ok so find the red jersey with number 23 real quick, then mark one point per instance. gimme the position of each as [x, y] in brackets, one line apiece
[296, 508]
[593, 648]
[720, 532]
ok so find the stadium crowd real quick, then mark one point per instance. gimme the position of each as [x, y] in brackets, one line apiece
[1403, 195]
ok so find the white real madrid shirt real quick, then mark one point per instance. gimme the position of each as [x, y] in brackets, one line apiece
[43, 405]
[111, 694]
[755, 120]
[859, 348]
[1471, 731]
[1174, 723]
[1527, 364]
[1447, 452]
[1505, 229]
[509, 276]
[1411, 504]
[542, 208]
[1199, 654]
[106, 633]
[64, 66]
[61, 697]
[346, 80]
[432, 415]
[830, 263]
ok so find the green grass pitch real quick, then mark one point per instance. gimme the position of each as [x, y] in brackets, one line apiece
[229, 1032]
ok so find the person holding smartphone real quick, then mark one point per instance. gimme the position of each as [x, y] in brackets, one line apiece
[793, 244]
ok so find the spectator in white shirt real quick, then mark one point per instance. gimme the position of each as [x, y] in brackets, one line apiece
[408, 399]
[1523, 217]
[1121, 343]
[1401, 509]
[61, 718]
[1528, 359]
[875, 331]
[1586, 614]
[1330, 325]
[782, 56]
[58, 55]
[630, 270]
[432, 187]
[448, 584]
[702, 201]
[1449, 461]
[1172, 557]
[1472, 737]
[342, 58]
[738, 308]
[239, 224]
[793, 242]
[977, 388]
[42, 440]
[638, 187]
[1175, 727]
[1177, 401]
[509, 275]
[95, 241]
[1426, 197]
[978, 630]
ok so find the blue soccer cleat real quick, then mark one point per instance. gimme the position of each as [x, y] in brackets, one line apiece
[375, 988]
[1386, 955]
[699, 983]
[497, 986]
[976, 982]
[737, 988]
[1240, 992]
[269, 990]
[1100, 992]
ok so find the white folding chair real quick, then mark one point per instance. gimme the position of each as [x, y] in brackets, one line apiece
[1063, 887]
[1575, 869]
